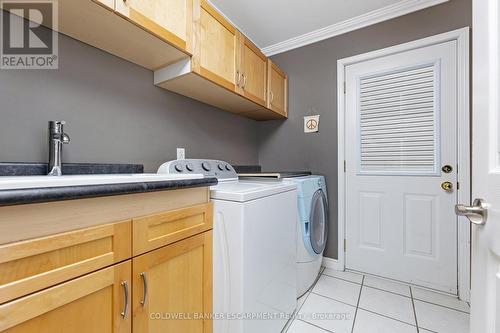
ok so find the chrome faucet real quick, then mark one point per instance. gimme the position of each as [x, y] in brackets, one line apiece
[57, 138]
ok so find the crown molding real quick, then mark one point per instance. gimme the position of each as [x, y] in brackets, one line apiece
[379, 15]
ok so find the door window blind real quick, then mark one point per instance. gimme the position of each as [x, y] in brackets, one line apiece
[398, 115]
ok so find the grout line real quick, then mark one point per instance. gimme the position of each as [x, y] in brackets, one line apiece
[386, 316]
[418, 299]
[339, 278]
[306, 295]
[334, 277]
[387, 291]
[414, 312]
[305, 300]
[442, 293]
[321, 328]
[357, 304]
[295, 313]
[333, 299]
[443, 306]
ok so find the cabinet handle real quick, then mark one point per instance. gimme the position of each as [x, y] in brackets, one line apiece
[125, 292]
[244, 81]
[272, 96]
[238, 78]
[145, 285]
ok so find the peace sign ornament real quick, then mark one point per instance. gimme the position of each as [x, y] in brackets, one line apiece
[311, 124]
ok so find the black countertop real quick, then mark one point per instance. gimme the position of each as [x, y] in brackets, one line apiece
[48, 194]
[60, 193]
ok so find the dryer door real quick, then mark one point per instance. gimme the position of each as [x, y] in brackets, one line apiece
[318, 222]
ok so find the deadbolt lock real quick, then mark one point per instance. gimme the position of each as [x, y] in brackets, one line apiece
[447, 169]
[447, 186]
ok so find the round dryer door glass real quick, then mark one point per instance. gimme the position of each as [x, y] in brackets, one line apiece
[318, 222]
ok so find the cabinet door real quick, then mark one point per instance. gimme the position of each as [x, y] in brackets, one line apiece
[253, 81]
[91, 303]
[218, 49]
[278, 89]
[170, 20]
[175, 280]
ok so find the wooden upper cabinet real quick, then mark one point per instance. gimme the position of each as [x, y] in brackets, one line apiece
[110, 4]
[278, 89]
[253, 69]
[218, 49]
[91, 303]
[170, 20]
[175, 279]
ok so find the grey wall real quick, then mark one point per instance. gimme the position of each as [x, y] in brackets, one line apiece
[114, 113]
[312, 73]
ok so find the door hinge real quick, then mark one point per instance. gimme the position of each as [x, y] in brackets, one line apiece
[345, 245]
[345, 87]
[458, 186]
[345, 166]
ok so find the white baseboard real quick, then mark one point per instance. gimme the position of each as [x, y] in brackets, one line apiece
[332, 264]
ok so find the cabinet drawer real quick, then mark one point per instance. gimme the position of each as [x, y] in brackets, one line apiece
[154, 231]
[97, 302]
[36, 264]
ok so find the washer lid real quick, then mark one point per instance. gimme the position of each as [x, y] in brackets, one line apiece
[242, 191]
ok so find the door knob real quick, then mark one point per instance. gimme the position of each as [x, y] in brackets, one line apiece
[447, 186]
[477, 213]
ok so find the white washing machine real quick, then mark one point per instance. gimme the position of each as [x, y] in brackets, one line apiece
[312, 229]
[254, 255]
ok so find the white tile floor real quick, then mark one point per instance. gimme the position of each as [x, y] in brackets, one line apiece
[345, 302]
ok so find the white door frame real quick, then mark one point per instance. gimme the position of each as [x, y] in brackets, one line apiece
[461, 36]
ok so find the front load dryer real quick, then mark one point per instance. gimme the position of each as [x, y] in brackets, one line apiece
[312, 230]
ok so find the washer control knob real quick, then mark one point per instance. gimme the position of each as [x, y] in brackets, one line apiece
[206, 166]
[220, 166]
[228, 167]
[178, 167]
[189, 167]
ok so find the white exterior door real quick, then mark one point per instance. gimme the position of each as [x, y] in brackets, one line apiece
[485, 279]
[401, 166]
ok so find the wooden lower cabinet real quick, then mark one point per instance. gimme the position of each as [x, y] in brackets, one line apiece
[90, 281]
[91, 303]
[172, 287]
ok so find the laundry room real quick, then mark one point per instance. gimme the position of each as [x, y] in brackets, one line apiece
[225, 166]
